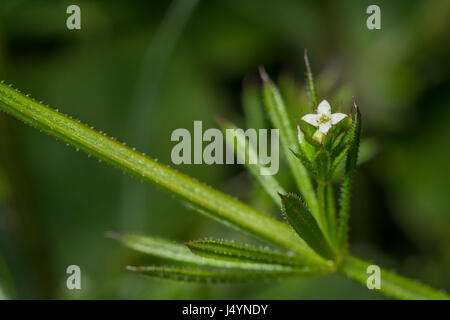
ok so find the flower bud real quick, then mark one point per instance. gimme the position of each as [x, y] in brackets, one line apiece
[319, 136]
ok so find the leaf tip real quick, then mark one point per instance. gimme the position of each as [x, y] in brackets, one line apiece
[263, 74]
[282, 196]
[132, 268]
[188, 243]
[356, 108]
[305, 56]
[114, 235]
[220, 120]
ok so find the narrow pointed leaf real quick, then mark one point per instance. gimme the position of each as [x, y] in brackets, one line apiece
[337, 140]
[310, 82]
[217, 276]
[305, 147]
[343, 144]
[307, 254]
[337, 160]
[346, 189]
[305, 225]
[245, 150]
[281, 120]
[180, 253]
[237, 252]
[253, 107]
[305, 162]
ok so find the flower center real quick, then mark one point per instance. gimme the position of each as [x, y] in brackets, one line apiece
[324, 119]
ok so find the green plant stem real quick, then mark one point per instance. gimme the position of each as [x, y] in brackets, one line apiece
[391, 284]
[331, 211]
[218, 205]
[323, 215]
[325, 198]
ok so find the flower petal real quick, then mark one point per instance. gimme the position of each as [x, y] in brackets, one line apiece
[324, 108]
[311, 118]
[336, 117]
[324, 128]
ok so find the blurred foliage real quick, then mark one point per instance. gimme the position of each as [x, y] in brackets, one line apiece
[399, 76]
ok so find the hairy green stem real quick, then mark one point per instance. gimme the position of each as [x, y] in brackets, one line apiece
[221, 206]
[330, 207]
[322, 209]
[391, 284]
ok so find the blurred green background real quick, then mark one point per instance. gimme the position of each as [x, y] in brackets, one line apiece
[138, 70]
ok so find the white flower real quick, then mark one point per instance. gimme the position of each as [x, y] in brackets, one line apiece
[323, 119]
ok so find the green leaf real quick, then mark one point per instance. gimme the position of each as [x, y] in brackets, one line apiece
[243, 253]
[116, 154]
[217, 276]
[337, 160]
[305, 147]
[342, 145]
[253, 107]
[307, 255]
[305, 162]
[310, 81]
[346, 189]
[245, 150]
[180, 253]
[305, 225]
[337, 141]
[281, 120]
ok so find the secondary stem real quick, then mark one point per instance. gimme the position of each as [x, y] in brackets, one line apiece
[391, 284]
[324, 223]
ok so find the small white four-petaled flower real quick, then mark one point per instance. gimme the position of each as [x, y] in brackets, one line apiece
[324, 119]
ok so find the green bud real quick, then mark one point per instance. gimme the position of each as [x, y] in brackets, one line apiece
[319, 136]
